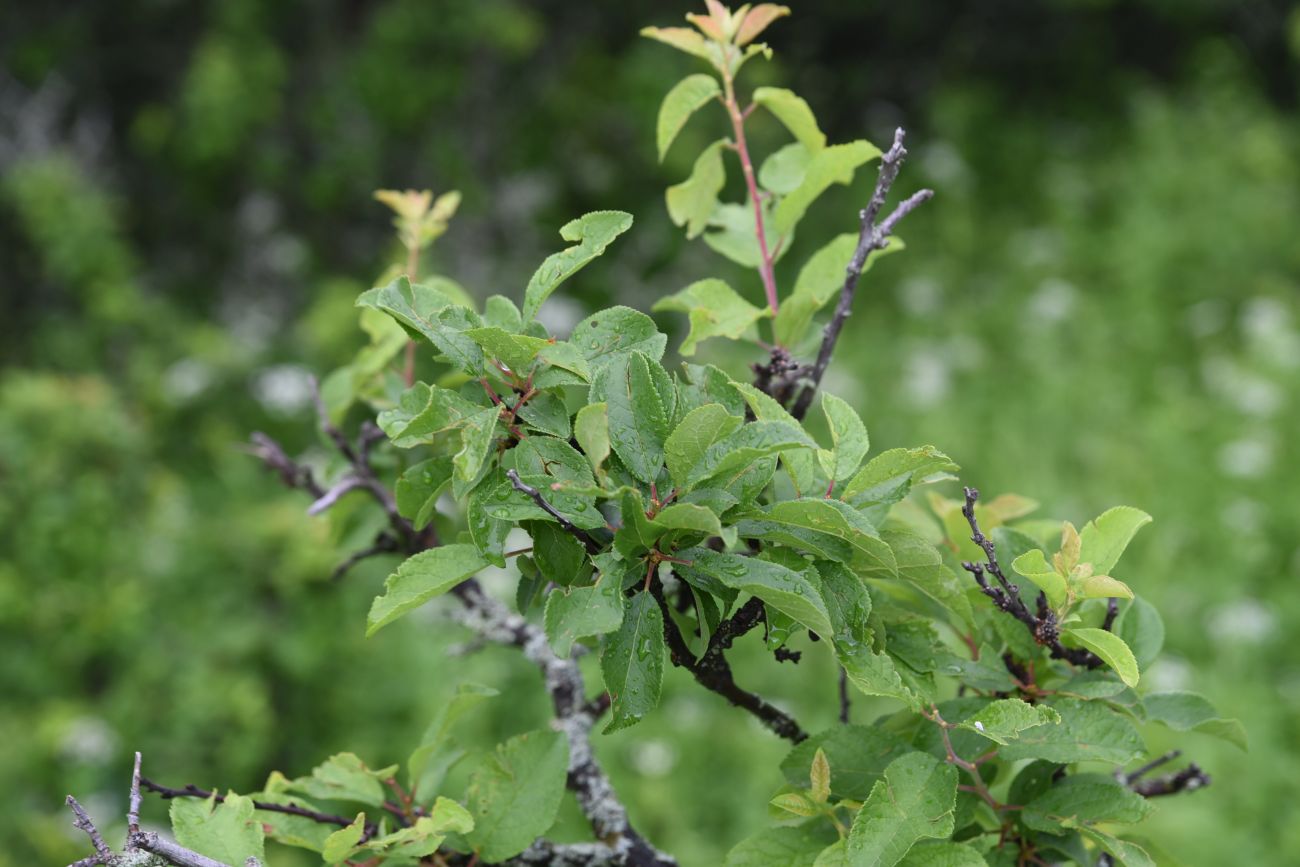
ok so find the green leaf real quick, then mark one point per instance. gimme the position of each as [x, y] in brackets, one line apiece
[915, 801]
[343, 842]
[516, 351]
[827, 528]
[784, 589]
[344, 777]
[1104, 539]
[1111, 648]
[819, 280]
[687, 97]
[1034, 566]
[430, 314]
[638, 418]
[548, 413]
[890, 475]
[1126, 854]
[515, 794]
[874, 673]
[693, 202]
[783, 171]
[431, 759]
[284, 828]
[681, 38]
[632, 662]
[795, 802]
[592, 233]
[715, 310]
[582, 611]
[819, 777]
[832, 165]
[500, 312]
[604, 336]
[1143, 631]
[591, 430]
[417, 490]
[795, 114]
[733, 234]
[784, 846]
[476, 437]
[1002, 720]
[1088, 731]
[848, 437]
[847, 602]
[426, 835]
[858, 756]
[1084, 799]
[1188, 711]
[423, 412]
[227, 831]
[730, 456]
[419, 579]
[698, 429]
[943, 855]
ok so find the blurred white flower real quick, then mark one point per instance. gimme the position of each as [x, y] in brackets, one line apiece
[654, 758]
[1244, 619]
[1205, 318]
[920, 295]
[1168, 673]
[283, 388]
[1246, 458]
[1053, 301]
[88, 740]
[927, 378]
[186, 379]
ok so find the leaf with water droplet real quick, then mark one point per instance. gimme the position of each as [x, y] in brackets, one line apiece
[632, 662]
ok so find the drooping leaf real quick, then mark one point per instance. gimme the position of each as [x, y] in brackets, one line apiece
[431, 759]
[604, 336]
[784, 589]
[1034, 566]
[848, 438]
[515, 793]
[579, 612]
[1084, 799]
[795, 114]
[632, 662]
[417, 490]
[783, 846]
[225, 831]
[476, 437]
[693, 202]
[1088, 731]
[715, 310]
[832, 165]
[1188, 711]
[591, 430]
[915, 801]
[1002, 720]
[591, 234]
[419, 579]
[698, 429]
[1104, 539]
[429, 313]
[1111, 648]
[687, 97]
[638, 417]
[344, 842]
[858, 756]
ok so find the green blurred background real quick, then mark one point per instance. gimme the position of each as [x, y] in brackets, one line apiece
[1100, 306]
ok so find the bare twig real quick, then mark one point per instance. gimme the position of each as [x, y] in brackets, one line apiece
[844, 696]
[133, 813]
[565, 524]
[385, 543]
[191, 791]
[872, 236]
[83, 823]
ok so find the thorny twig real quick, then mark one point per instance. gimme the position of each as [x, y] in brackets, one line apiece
[1043, 624]
[872, 236]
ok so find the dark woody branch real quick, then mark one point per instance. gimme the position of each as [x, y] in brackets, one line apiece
[872, 236]
[712, 671]
[565, 524]
[1189, 779]
[1041, 622]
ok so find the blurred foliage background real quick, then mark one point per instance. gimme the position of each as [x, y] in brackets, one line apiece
[1100, 306]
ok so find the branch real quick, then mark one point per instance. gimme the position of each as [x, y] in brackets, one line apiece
[872, 236]
[712, 671]
[565, 524]
[1189, 779]
[574, 716]
[1042, 625]
[138, 841]
[192, 791]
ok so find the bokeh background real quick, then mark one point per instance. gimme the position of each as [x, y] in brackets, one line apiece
[1101, 306]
